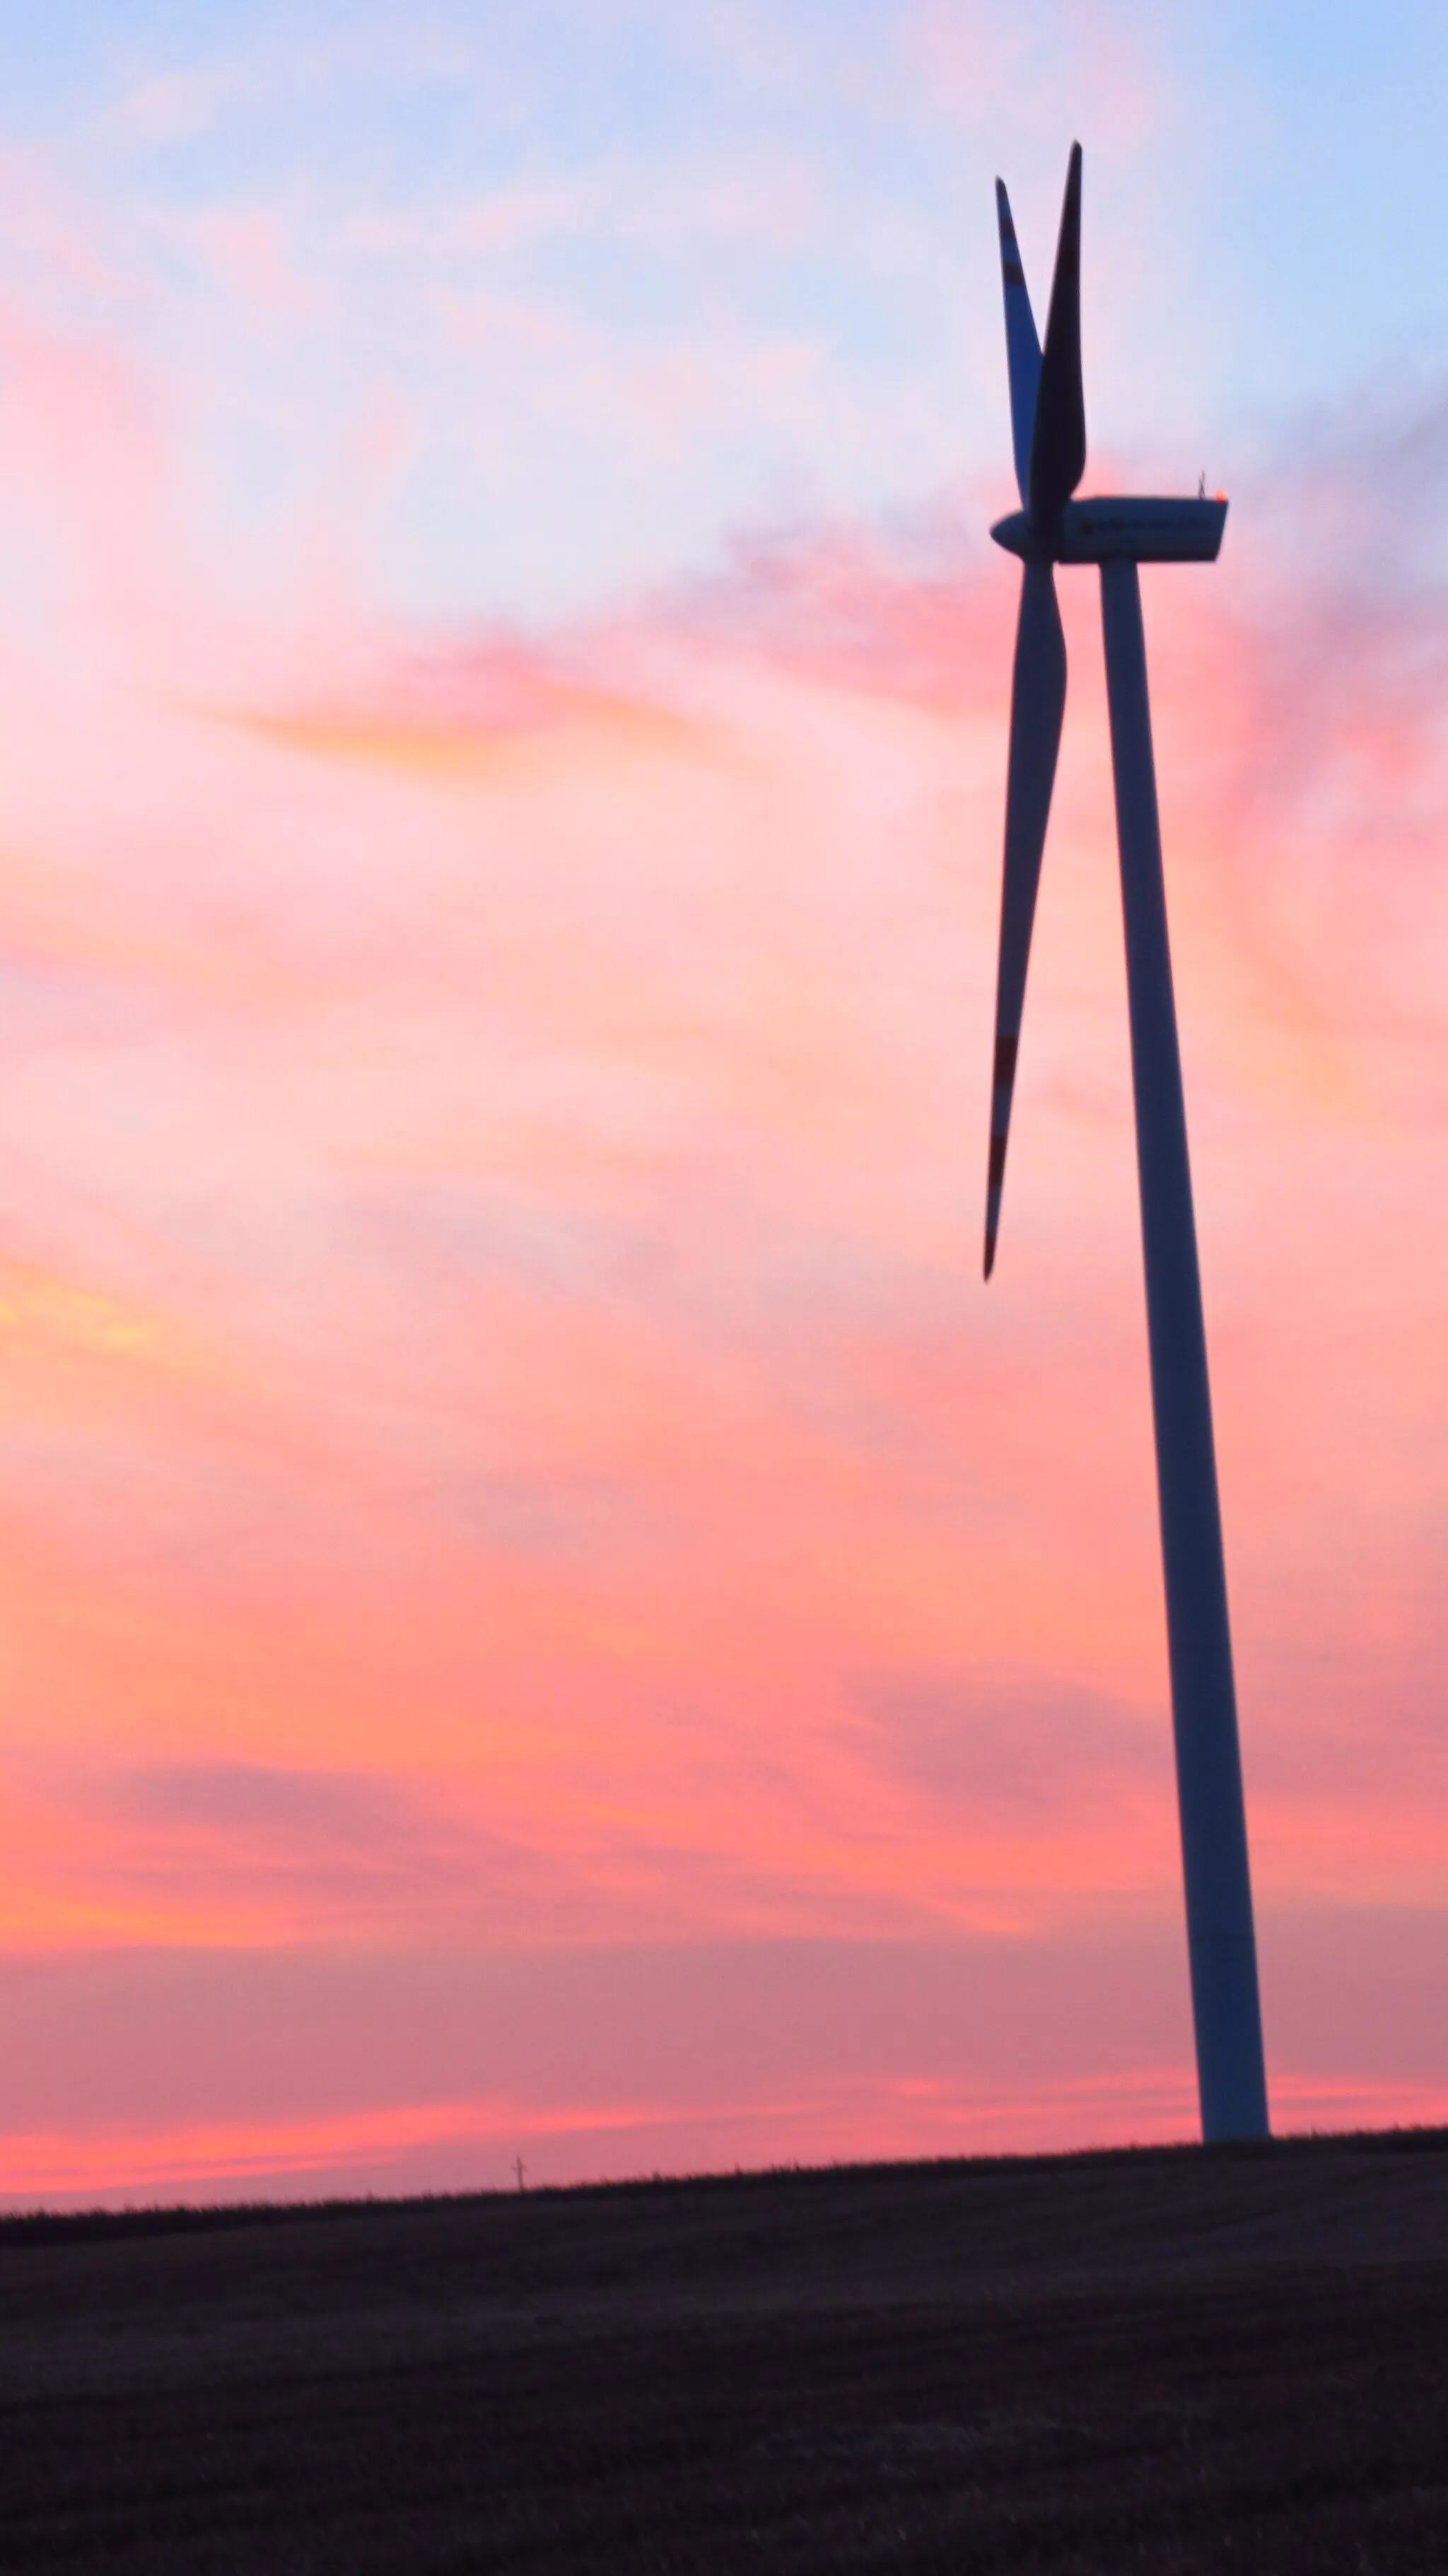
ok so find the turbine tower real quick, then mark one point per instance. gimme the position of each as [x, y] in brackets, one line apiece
[1048, 425]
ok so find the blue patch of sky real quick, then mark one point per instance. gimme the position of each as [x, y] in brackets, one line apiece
[1287, 190]
[1331, 186]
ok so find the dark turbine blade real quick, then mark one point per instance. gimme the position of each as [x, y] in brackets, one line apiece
[1058, 443]
[1038, 702]
[1023, 349]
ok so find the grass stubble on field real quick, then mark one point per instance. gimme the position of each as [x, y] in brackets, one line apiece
[1166, 2359]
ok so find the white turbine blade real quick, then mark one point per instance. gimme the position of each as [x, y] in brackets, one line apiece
[1038, 703]
[1023, 349]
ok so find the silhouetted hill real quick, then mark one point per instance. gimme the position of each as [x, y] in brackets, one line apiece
[1169, 2358]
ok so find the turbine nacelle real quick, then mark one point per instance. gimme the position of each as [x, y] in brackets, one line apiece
[1117, 530]
[1048, 437]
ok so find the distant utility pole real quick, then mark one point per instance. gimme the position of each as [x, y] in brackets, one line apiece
[520, 2169]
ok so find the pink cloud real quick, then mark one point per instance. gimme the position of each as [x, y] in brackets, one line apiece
[502, 1439]
[194, 2075]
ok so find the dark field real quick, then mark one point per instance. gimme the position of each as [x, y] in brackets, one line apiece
[1168, 2360]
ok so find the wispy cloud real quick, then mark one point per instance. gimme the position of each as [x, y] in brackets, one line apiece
[501, 1435]
[148, 2075]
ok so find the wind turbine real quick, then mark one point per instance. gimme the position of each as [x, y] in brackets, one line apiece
[1048, 425]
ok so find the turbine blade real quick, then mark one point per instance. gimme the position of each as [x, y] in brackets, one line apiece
[1058, 441]
[1023, 349]
[1038, 702]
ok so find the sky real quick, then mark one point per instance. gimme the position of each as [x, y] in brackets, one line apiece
[545, 1611]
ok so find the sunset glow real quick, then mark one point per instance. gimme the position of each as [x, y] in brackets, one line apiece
[544, 1609]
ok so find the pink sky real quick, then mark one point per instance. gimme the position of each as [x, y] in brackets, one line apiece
[543, 1607]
